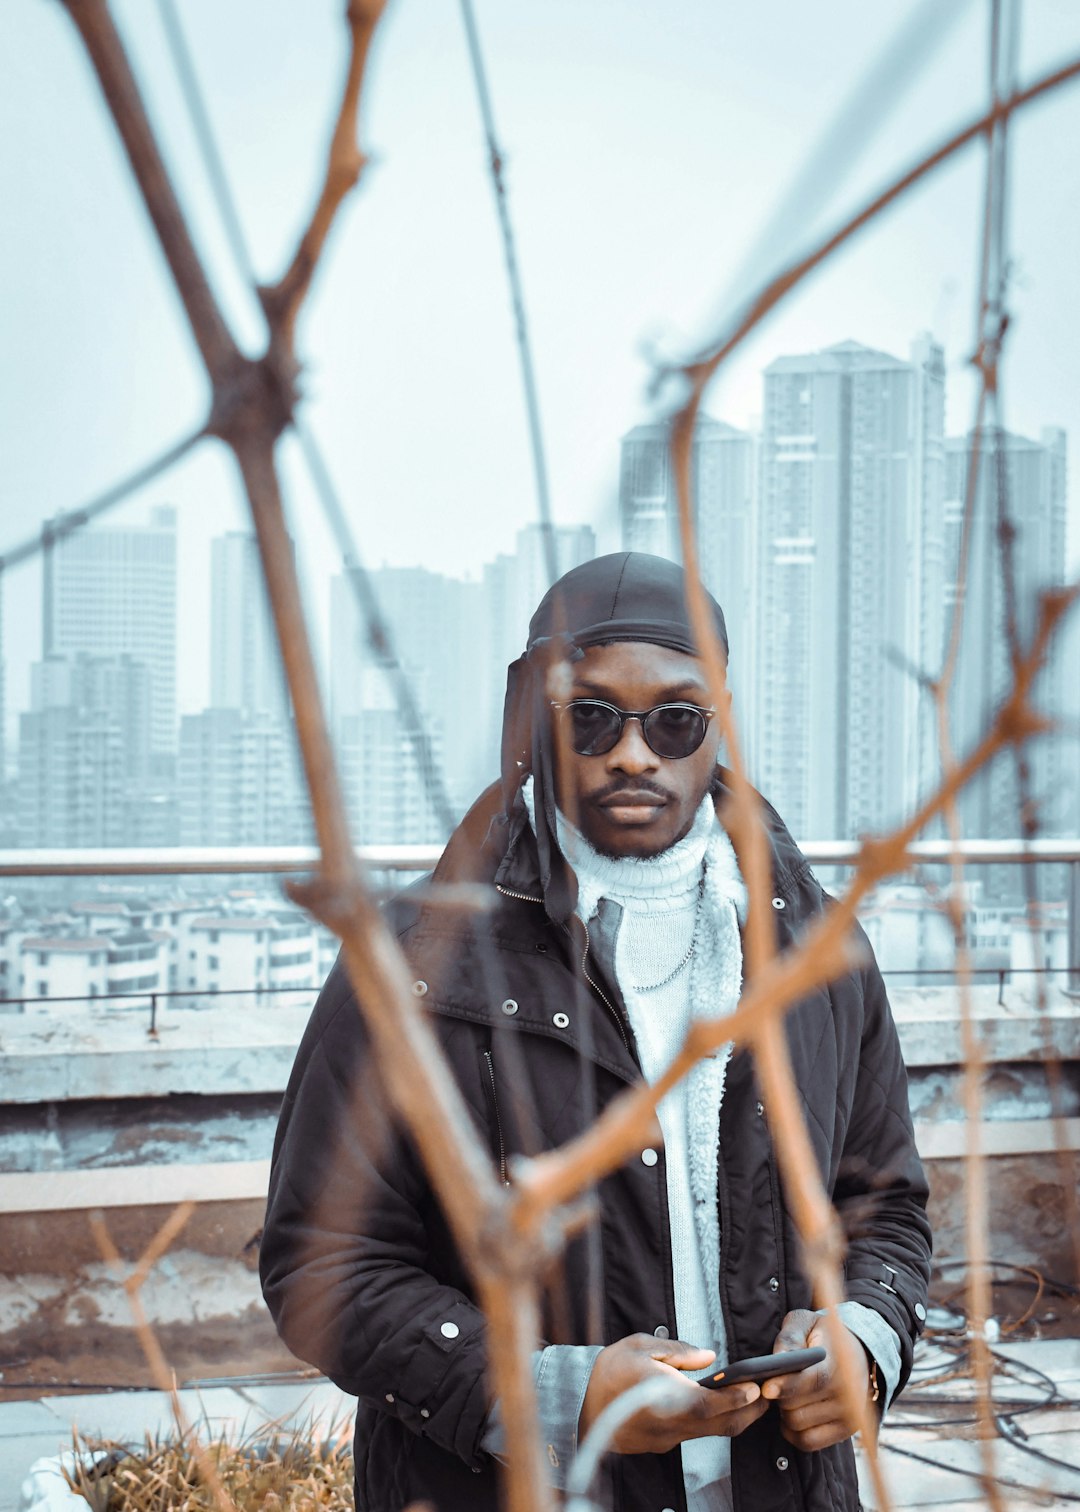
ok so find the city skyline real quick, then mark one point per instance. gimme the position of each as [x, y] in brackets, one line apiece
[433, 466]
[828, 535]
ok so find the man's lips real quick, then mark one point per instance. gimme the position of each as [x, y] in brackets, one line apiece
[631, 806]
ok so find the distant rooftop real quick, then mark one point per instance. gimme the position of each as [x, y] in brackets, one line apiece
[843, 356]
[659, 430]
[246, 924]
[73, 944]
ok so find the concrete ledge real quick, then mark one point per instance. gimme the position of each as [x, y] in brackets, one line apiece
[240, 1180]
[1001, 1136]
[60, 1056]
[133, 1186]
[100, 1053]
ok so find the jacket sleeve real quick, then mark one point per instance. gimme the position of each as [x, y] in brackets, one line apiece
[880, 1191]
[345, 1259]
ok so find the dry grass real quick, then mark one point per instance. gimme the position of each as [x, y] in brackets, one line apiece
[305, 1470]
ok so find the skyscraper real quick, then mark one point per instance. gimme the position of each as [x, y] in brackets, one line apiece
[723, 465]
[74, 750]
[112, 592]
[437, 635]
[1032, 477]
[514, 583]
[245, 666]
[238, 781]
[849, 572]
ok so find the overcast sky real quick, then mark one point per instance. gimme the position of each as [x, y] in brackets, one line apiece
[646, 147]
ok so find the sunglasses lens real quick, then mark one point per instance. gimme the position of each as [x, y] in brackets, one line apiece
[674, 731]
[594, 728]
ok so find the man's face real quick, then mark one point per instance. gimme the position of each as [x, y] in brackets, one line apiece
[630, 801]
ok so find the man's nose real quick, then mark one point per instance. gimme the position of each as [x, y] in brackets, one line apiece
[632, 753]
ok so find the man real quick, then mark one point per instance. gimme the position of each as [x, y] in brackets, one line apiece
[616, 920]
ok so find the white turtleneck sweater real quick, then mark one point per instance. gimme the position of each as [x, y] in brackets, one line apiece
[669, 926]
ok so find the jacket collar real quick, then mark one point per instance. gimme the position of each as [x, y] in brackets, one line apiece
[493, 846]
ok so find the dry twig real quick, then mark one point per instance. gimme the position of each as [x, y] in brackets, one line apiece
[148, 1341]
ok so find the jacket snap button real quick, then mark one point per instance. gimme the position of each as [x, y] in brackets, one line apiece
[649, 1157]
[449, 1330]
[759, 1109]
[389, 1396]
[920, 1312]
[509, 1007]
[782, 1462]
[561, 1021]
[424, 1413]
[661, 1331]
[419, 988]
[779, 903]
[774, 1284]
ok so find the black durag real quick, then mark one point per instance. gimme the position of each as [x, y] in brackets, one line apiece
[628, 596]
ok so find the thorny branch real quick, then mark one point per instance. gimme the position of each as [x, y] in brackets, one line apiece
[500, 1235]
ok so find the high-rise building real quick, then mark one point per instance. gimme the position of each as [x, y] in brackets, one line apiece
[723, 464]
[386, 796]
[514, 583]
[454, 640]
[238, 781]
[84, 756]
[72, 782]
[436, 633]
[849, 583]
[111, 592]
[1029, 478]
[245, 666]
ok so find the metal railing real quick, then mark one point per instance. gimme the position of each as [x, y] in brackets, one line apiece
[269, 859]
[154, 996]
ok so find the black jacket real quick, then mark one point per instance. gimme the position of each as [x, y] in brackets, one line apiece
[357, 1262]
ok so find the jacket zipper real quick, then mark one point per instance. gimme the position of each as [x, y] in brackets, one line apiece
[490, 1063]
[601, 994]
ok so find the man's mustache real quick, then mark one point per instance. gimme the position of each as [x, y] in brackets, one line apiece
[642, 785]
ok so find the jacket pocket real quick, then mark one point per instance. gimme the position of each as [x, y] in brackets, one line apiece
[487, 1076]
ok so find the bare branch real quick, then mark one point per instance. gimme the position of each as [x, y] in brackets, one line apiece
[148, 1340]
[345, 162]
[106, 50]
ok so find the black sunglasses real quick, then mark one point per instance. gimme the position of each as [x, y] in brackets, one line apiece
[671, 730]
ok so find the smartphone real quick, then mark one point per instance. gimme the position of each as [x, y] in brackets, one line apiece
[763, 1367]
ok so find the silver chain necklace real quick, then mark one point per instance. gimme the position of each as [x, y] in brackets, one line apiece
[687, 958]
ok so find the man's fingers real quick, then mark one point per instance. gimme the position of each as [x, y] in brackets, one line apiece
[795, 1330]
[813, 1439]
[810, 1414]
[729, 1424]
[801, 1385]
[714, 1404]
[679, 1354]
[800, 1329]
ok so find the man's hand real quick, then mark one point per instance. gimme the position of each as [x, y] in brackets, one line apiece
[621, 1365]
[814, 1410]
